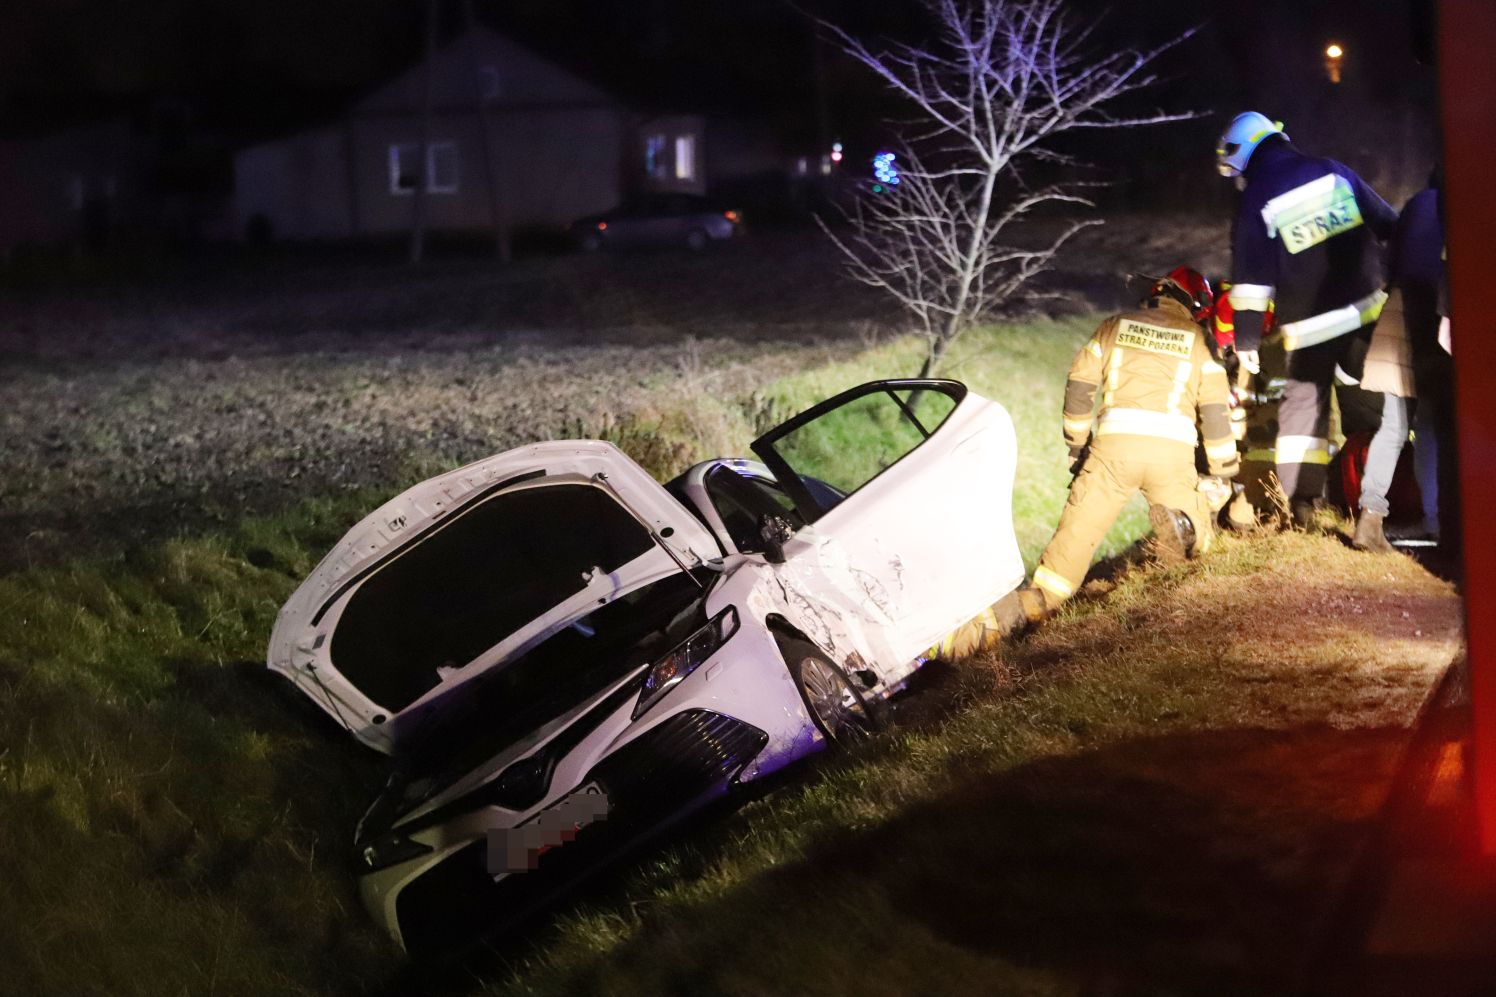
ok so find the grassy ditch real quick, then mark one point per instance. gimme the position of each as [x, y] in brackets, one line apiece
[1158, 792]
[173, 820]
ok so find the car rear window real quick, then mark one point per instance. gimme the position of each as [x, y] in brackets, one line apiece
[474, 580]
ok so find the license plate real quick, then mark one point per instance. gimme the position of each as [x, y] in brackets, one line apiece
[518, 849]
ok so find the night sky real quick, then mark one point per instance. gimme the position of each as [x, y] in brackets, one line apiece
[267, 63]
[215, 75]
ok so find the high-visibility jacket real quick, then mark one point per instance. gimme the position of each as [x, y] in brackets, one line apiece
[1245, 393]
[1157, 381]
[1223, 318]
[1305, 239]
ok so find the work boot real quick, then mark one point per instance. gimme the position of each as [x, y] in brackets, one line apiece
[1304, 512]
[1369, 535]
[1173, 534]
[1241, 517]
[1019, 608]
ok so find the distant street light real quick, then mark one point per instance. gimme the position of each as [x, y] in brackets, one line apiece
[1333, 56]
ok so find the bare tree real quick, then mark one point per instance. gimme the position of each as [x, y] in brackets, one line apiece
[998, 83]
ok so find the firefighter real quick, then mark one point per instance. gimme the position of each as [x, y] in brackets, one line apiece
[1254, 416]
[1157, 378]
[1305, 239]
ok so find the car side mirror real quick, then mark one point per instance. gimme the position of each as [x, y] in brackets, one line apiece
[774, 532]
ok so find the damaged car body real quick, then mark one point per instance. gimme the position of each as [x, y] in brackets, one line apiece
[563, 655]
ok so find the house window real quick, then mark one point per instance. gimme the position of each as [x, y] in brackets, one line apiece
[654, 156]
[685, 157]
[440, 172]
[405, 170]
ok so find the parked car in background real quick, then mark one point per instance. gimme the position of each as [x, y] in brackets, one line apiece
[563, 655]
[658, 220]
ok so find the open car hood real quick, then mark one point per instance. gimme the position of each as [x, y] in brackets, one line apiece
[464, 571]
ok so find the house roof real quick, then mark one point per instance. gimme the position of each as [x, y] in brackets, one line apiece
[481, 66]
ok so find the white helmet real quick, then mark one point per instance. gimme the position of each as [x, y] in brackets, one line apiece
[1241, 138]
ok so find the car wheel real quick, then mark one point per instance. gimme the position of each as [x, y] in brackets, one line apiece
[591, 242]
[836, 706]
[696, 240]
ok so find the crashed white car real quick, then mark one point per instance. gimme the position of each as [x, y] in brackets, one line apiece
[563, 655]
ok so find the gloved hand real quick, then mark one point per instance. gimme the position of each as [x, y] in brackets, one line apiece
[1078, 458]
[1217, 492]
[1249, 361]
[1231, 360]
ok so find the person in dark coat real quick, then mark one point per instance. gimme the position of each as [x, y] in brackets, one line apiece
[1306, 240]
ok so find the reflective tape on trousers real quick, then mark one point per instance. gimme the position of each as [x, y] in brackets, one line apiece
[1303, 450]
[1051, 582]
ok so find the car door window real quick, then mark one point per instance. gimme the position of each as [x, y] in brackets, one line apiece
[851, 439]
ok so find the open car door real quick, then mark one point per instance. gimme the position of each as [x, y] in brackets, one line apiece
[906, 487]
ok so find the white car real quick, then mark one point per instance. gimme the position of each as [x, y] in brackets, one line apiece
[563, 655]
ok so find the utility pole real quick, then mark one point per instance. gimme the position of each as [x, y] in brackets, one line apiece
[423, 153]
[498, 205]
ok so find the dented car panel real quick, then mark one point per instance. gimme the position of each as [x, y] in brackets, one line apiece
[550, 633]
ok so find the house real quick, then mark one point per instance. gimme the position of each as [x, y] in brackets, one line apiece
[74, 186]
[512, 141]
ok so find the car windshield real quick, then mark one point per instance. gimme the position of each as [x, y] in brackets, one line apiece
[477, 720]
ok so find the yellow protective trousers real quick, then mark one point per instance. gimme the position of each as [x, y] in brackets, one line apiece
[1097, 495]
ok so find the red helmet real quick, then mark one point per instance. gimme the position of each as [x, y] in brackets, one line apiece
[1195, 288]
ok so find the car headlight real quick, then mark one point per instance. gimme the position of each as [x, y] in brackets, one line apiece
[685, 658]
[391, 849]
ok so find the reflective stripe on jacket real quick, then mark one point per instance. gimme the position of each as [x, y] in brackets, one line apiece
[1156, 380]
[1306, 241]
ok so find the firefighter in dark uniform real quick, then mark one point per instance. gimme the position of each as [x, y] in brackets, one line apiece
[1305, 239]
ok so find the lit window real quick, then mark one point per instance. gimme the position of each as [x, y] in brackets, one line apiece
[802, 165]
[441, 167]
[685, 157]
[654, 156]
[405, 171]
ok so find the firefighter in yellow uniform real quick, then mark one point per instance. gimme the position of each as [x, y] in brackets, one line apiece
[1158, 379]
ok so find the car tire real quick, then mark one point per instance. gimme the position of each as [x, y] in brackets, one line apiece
[696, 240]
[835, 704]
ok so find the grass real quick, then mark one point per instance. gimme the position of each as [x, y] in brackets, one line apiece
[1157, 792]
[173, 820]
